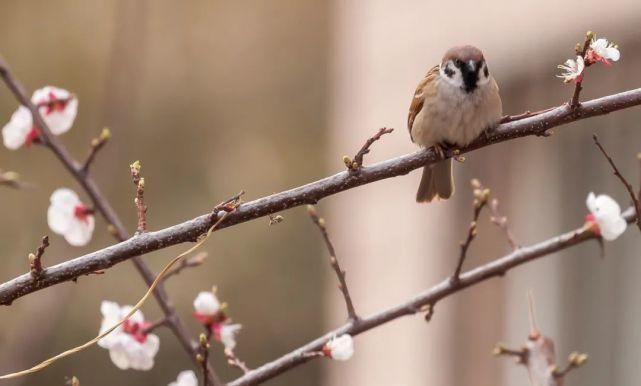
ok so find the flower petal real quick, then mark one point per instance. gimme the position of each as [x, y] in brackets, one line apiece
[79, 232]
[16, 131]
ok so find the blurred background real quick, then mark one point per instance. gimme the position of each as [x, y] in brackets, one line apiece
[214, 97]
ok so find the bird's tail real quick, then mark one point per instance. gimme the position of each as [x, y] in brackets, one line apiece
[437, 181]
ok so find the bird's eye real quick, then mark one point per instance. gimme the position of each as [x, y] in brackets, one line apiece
[458, 62]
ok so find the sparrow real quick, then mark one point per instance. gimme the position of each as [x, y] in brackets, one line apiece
[454, 103]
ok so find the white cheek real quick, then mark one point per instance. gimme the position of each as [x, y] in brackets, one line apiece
[456, 80]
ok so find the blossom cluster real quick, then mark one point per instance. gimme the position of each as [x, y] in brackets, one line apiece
[598, 50]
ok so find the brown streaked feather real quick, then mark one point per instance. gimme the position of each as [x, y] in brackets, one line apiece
[419, 97]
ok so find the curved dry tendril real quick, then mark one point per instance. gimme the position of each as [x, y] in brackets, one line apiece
[77, 349]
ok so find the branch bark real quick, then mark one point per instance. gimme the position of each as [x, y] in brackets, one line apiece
[307, 194]
[414, 305]
[81, 175]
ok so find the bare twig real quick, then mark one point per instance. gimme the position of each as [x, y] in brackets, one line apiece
[525, 114]
[501, 222]
[104, 207]
[141, 208]
[575, 360]
[520, 356]
[446, 288]
[162, 322]
[633, 197]
[203, 354]
[305, 194]
[481, 196]
[320, 223]
[233, 361]
[191, 262]
[96, 145]
[357, 162]
[581, 51]
[35, 260]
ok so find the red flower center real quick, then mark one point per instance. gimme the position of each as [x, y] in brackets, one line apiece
[81, 212]
[212, 322]
[32, 137]
[136, 329]
[54, 104]
[594, 226]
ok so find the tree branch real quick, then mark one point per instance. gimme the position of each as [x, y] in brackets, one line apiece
[103, 206]
[306, 194]
[481, 196]
[581, 51]
[357, 162]
[440, 291]
[635, 201]
[340, 274]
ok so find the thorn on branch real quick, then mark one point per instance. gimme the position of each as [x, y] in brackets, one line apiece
[355, 164]
[581, 51]
[140, 196]
[96, 145]
[628, 186]
[481, 196]
[35, 260]
[320, 223]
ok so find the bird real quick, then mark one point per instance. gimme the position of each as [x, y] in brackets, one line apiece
[454, 103]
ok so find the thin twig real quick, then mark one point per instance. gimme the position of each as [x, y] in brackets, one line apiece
[141, 208]
[320, 223]
[501, 222]
[481, 196]
[310, 193]
[191, 262]
[10, 179]
[96, 145]
[162, 322]
[575, 360]
[203, 354]
[234, 361]
[104, 207]
[635, 200]
[495, 268]
[519, 355]
[523, 115]
[574, 102]
[357, 162]
[35, 260]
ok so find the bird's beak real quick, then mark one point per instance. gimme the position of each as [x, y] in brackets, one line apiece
[472, 66]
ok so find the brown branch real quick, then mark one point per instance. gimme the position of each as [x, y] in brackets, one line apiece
[481, 196]
[320, 223]
[306, 194]
[203, 355]
[104, 207]
[35, 260]
[191, 262]
[574, 102]
[96, 145]
[501, 222]
[520, 356]
[635, 201]
[575, 360]
[525, 114]
[357, 162]
[141, 208]
[446, 288]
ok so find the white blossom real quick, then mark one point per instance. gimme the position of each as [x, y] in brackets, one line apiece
[573, 70]
[129, 346]
[58, 109]
[606, 213]
[340, 348]
[186, 378]
[603, 51]
[69, 217]
[227, 335]
[206, 304]
[19, 129]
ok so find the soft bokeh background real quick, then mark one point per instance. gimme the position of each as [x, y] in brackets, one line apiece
[214, 97]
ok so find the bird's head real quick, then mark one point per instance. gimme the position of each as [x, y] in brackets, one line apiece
[464, 67]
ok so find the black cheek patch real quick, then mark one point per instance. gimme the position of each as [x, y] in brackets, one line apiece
[448, 71]
[486, 72]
